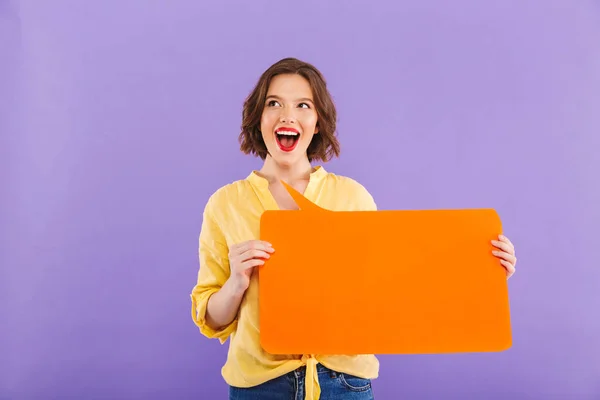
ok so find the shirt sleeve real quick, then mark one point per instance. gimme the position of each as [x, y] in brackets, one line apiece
[364, 199]
[212, 275]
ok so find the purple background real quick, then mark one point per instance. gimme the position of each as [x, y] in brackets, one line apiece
[120, 118]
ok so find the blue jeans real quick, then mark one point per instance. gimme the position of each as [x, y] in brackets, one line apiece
[334, 386]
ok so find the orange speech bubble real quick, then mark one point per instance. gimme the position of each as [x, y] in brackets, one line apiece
[382, 282]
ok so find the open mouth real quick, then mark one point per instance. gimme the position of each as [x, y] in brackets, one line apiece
[287, 138]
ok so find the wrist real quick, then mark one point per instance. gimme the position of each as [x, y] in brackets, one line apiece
[234, 287]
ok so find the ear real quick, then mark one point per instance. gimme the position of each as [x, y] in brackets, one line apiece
[316, 129]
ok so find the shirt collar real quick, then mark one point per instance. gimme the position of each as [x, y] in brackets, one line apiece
[316, 175]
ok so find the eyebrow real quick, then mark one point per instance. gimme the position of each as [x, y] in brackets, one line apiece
[273, 96]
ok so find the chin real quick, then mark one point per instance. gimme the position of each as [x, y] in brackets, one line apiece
[286, 160]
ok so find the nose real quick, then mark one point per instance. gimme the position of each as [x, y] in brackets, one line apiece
[287, 116]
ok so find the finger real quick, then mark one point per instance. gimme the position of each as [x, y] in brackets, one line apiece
[254, 245]
[506, 240]
[506, 256]
[504, 246]
[252, 263]
[238, 250]
[248, 254]
[510, 269]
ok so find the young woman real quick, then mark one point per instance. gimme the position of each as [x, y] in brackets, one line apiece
[289, 121]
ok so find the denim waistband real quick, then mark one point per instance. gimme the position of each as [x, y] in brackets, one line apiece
[321, 369]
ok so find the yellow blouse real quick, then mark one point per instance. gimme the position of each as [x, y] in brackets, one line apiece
[232, 215]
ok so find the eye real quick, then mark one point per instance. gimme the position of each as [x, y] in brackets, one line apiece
[304, 105]
[272, 103]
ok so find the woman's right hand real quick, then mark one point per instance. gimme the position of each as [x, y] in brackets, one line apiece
[243, 257]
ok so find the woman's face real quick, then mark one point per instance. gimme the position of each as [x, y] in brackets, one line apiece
[289, 119]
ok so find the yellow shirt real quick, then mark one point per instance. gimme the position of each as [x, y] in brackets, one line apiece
[232, 215]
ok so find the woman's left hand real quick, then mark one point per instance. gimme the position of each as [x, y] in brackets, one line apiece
[506, 254]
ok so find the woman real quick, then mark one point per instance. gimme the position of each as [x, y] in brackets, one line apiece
[289, 121]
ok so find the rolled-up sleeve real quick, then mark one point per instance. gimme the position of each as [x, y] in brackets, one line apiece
[212, 274]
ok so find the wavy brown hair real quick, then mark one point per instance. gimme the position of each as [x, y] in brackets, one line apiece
[324, 145]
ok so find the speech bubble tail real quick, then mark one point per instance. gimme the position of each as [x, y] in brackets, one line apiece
[302, 202]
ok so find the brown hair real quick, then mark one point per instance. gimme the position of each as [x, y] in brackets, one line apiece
[323, 145]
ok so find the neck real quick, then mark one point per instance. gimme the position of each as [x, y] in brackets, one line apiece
[287, 173]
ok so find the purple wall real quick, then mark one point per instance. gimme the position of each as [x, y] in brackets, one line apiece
[120, 118]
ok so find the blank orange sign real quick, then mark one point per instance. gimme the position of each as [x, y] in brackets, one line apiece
[382, 282]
